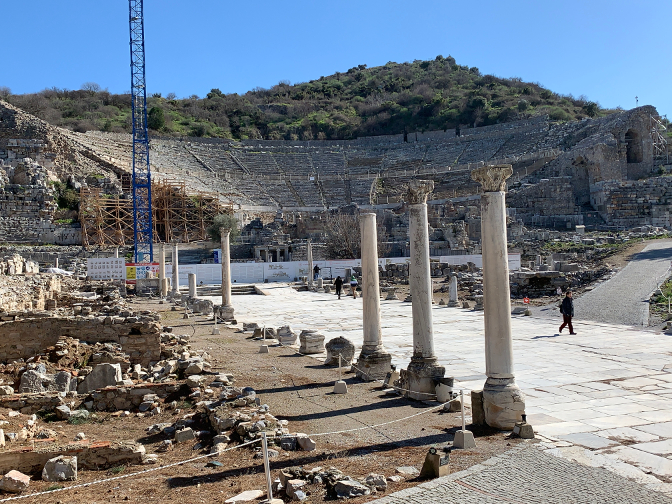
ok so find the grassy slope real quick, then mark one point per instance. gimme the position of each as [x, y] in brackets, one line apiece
[390, 99]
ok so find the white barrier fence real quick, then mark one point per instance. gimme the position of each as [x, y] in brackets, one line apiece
[211, 274]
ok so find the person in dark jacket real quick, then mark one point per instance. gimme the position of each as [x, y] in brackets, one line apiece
[567, 310]
[338, 283]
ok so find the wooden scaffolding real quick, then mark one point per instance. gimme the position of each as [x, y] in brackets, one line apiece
[178, 216]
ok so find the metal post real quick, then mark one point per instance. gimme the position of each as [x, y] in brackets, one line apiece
[339, 367]
[267, 468]
[464, 427]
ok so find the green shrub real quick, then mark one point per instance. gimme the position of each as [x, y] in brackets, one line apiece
[156, 119]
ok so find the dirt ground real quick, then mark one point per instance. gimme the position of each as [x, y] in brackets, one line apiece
[296, 388]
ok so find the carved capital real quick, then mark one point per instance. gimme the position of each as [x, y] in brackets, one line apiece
[492, 178]
[418, 190]
[224, 232]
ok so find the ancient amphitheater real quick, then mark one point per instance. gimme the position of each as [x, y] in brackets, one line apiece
[602, 172]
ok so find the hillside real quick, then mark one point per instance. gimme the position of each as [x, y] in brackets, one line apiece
[424, 95]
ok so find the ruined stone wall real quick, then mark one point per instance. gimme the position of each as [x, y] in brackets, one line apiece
[635, 203]
[550, 197]
[138, 336]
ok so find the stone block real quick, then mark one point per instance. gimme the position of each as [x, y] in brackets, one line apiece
[376, 481]
[14, 482]
[311, 342]
[286, 336]
[184, 435]
[477, 411]
[304, 442]
[103, 375]
[347, 489]
[60, 469]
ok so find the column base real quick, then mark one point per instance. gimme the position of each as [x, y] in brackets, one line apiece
[226, 312]
[417, 381]
[453, 304]
[373, 366]
[503, 403]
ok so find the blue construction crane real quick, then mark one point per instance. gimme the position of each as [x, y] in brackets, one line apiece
[142, 180]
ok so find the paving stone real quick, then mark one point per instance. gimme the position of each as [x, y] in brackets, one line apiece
[529, 475]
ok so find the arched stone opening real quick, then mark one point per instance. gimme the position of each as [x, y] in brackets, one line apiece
[633, 141]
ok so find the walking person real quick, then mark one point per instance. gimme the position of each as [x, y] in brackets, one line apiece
[316, 272]
[338, 283]
[567, 310]
[353, 286]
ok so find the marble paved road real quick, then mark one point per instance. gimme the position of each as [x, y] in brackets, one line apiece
[526, 475]
[608, 389]
[624, 298]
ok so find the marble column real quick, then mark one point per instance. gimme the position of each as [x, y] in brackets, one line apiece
[116, 252]
[192, 285]
[226, 311]
[424, 368]
[503, 401]
[310, 262]
[374, 362]
[452, 292]
[176, 270]
[162, 269]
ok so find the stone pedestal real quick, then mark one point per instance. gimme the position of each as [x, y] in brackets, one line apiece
[311, 342]
[452, 292]
[192, 285]
[374, 362]
[424, 368]
[226, 311]
[503, 401]
[176, 270]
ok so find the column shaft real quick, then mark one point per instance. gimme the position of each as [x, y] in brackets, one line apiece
[162, 268]
[496, 293]
[420, 282]
[503, 401]
[374, 362]
[176, 270]
[370, 284]
[310, 262]
[226, 268]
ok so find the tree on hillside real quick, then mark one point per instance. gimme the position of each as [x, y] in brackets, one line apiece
[156, 119]
[226, 221]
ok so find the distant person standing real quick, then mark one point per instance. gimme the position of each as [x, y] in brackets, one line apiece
[353, 286]
[338, 283]
[316, 272]
[567, 310]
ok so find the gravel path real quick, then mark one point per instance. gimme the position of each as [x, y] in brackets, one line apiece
[623, 299]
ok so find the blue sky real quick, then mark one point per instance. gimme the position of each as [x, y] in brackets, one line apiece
[609, 51]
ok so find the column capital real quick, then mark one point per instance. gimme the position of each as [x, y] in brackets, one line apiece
[224, 231]
[493, 177]
[418, 190]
